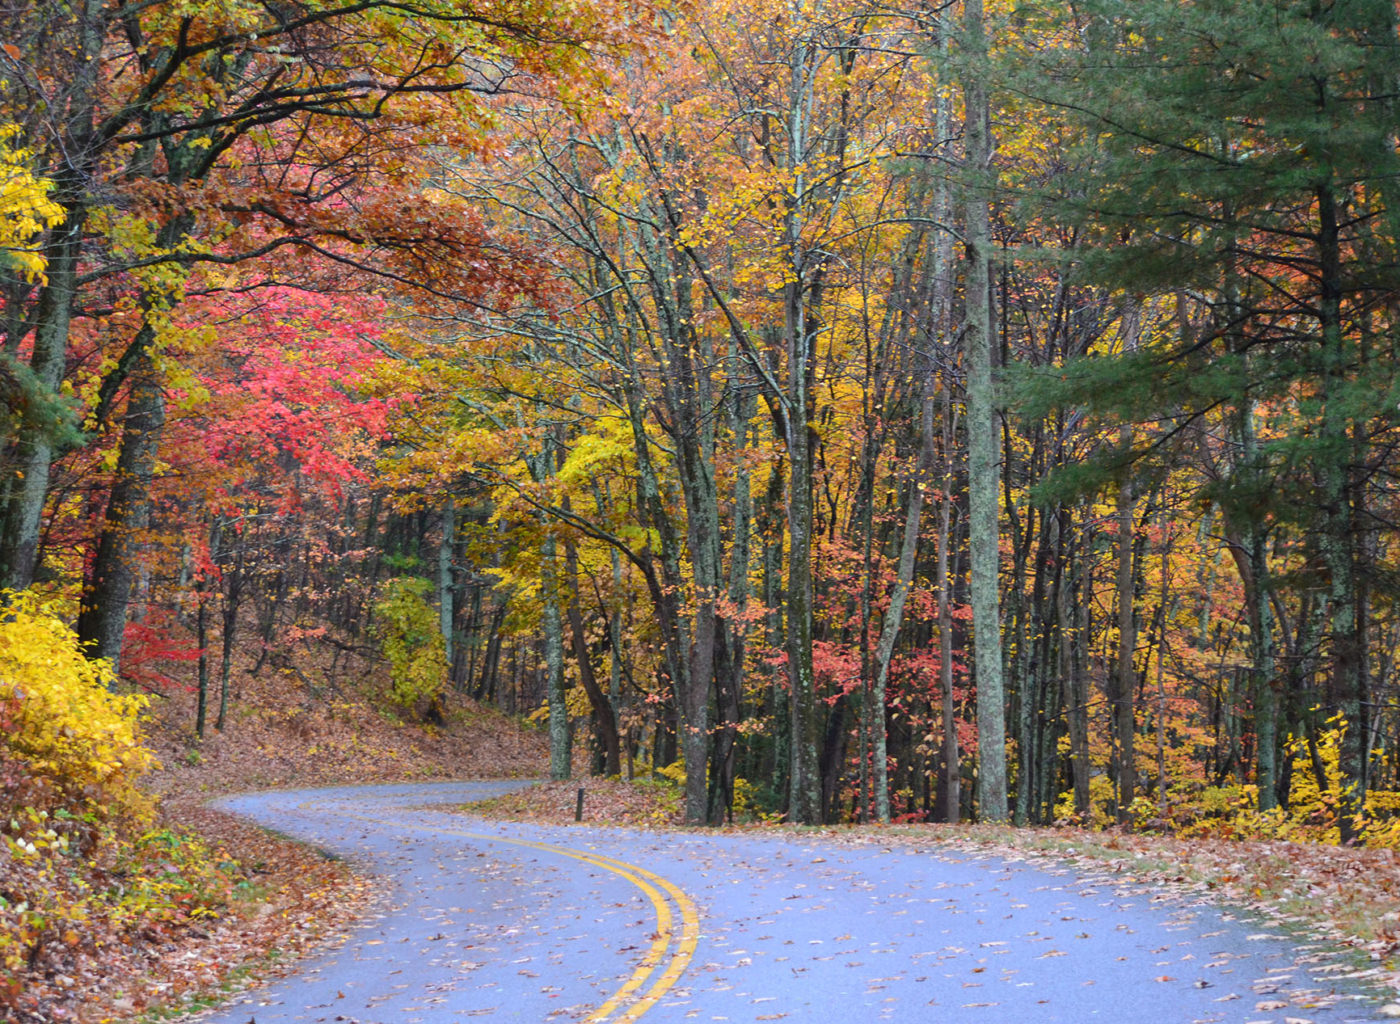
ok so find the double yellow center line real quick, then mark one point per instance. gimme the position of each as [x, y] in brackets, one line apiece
[677, 924]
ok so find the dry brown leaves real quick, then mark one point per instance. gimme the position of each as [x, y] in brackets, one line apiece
[299, 899]
[637, 804]
[281, 732]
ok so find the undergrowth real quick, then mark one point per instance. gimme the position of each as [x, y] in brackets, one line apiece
[87, 868]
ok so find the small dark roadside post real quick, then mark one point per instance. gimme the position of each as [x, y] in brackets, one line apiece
[578, 807]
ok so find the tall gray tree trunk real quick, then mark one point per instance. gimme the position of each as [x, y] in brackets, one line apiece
[1249, 544]
[951, 756]
[22, 518]
[24, 512]
[799, 332]
[233, 596]
[1163, 617]
[804, 780]
[446, 605]
[1339, 535]
[1261, 638]
[560, 759]
[771, 527]
[1076, 686]
[201, 635]
[615, 658]
[729, 666]
[984, 439]
[107, 593]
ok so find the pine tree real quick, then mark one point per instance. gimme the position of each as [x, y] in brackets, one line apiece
[1241, 154]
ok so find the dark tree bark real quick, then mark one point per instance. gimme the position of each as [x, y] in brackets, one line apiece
[605, 720]
[107, 592]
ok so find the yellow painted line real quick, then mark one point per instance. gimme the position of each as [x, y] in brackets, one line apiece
[660, 891]
[685, 947]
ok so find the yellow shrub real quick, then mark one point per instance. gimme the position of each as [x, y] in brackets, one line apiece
[745, 798]
[1101, 794]
[410, 639]
[675, 771]
[58, 716]
[1313, 811]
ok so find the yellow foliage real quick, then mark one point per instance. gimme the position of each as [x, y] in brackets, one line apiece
[576, 704]
[58, 715]
[675, 771]
[746, 803]
[410, 638]
[1312, 814]
[612, 445]
[25, 208]
[1101, 796]
[70, 758]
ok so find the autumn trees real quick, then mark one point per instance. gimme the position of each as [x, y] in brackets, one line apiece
[1104, 261]
[686, 320]
[194, 156]
[924, 411]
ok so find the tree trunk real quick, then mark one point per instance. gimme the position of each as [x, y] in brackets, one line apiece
[201, 634]
[560, 754]
[894, 615]
[602, 707]
[771, 529]
[664, 592]
[1125, 677]
[732, 640]
[233, 597]
[1162, 613]
[24, 512]
[446, 605]
[102, 621]
[984, 439]
[1346, 614]
[804, 781]
[952, 760]
[1076, 689]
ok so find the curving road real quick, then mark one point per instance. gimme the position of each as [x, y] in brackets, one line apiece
[527, 923]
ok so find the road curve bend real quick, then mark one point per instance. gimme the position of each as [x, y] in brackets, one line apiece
[518, 922]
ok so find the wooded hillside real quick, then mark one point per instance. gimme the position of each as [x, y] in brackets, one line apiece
[901, 412]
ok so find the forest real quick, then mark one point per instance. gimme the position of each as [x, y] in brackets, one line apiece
[863, 412]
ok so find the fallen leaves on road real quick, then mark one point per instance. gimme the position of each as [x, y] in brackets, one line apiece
[1348, 898]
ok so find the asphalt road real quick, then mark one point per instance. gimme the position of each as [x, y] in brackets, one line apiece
[526, 923]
